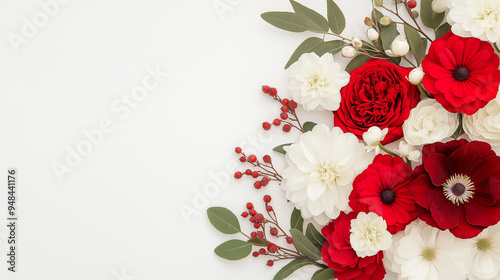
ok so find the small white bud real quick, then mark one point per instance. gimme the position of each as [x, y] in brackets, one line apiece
[348, 51]
[386, 20]
[416, 76]
[373, 136]
[439, 6]
[372, 34]
[408, 151]
[356, 42]
[399, 47]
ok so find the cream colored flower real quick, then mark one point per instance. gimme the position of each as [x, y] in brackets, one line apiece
[369, 234]
[484, 125]
[484, 261]
[475, 18]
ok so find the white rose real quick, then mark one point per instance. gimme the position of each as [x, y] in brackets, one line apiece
[484, 125]
[428, 123]
[399, 47]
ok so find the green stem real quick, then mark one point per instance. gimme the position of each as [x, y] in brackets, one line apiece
[386, 150]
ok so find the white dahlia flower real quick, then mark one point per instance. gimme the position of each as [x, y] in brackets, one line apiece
[315, 82]
[369, 234]
[484, 125]
[422, 252]
[320, 170]
[475, 18]
[428, 123]
[484, 261]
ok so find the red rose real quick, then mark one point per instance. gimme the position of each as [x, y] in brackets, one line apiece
[378, 94]
[383, 189]
[457, 187]
[338, 254]
[461, 73]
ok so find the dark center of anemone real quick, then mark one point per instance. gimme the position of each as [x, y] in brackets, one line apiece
[458, 189]
[461, 73]
[387, 196]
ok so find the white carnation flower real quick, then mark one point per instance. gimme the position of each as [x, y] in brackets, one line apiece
[423, 252]
[484, 261]
[369, 234]
[320, 170]
[428, 123]
[475, 18]
[484, 125]
[316, 82]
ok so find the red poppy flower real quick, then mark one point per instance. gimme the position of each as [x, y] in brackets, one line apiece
[383, 189]
[461, 73]
[457, 187]
[338, 254]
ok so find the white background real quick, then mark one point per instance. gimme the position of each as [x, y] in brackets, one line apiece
[118, 211]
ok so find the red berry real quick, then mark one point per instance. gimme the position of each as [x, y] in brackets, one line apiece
[269, 208]
[272, 248]
[252, 219]
[243, 159]
[267, 159]
[237, 175]
[267, 198]
[255, 174]
[289, 240]
[411, 4]
[270, 263]
[252, 158]
[287, 128]
[255, 254]
[284, 109]
[292, 104]
[264, 181]
[244, 214]
[273, 92]
[237, 150]
[249, 205]
[276, 122]
[284, 116]
[248, 172]
[259, 218]
[266, 126]
[260, 235]
[256, 225]
[285, 101]
[257, 185]
[274, 231]
[265, 89]
[253, 212]
[262, 251]
[253, 235]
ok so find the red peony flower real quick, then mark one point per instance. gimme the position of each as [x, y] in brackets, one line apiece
[378, 94]
[457, 187]
[383, 189]
[338, 254]
[461, 73]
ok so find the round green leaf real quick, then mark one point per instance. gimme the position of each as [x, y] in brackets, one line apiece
[308, 126]
[325, 274]
[296, 220]
[223, 220]
[307, 46]
[336, 18]
[290, 268]
[286, 21]
[356, 62]
[233, 250]
[428, 16]
[304, 245]
[315, 21]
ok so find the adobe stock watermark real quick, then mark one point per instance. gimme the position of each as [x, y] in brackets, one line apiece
[224, 6]
[222, 179]
[30, 27]
[121, 108]
[122, 275]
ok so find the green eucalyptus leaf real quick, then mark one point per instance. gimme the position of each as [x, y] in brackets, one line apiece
[290, 268]
[315, 21]
[460, 129]
[428, 16]
[332, 47]
[304, 245]
[257, 242]
[417, 47]
[233, 250]
[280, 149]
[223, 220]
[442, 30]
[316, 238]
[308, 126]
[325, 274]
[285, 20]
[356, 62]
[296, 220]
[306, 47]
[387, 35]
[336, 18]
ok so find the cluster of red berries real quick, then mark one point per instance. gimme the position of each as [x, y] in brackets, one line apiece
[259, 222]
[288, 106]
[411, 4]
[267, 171]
